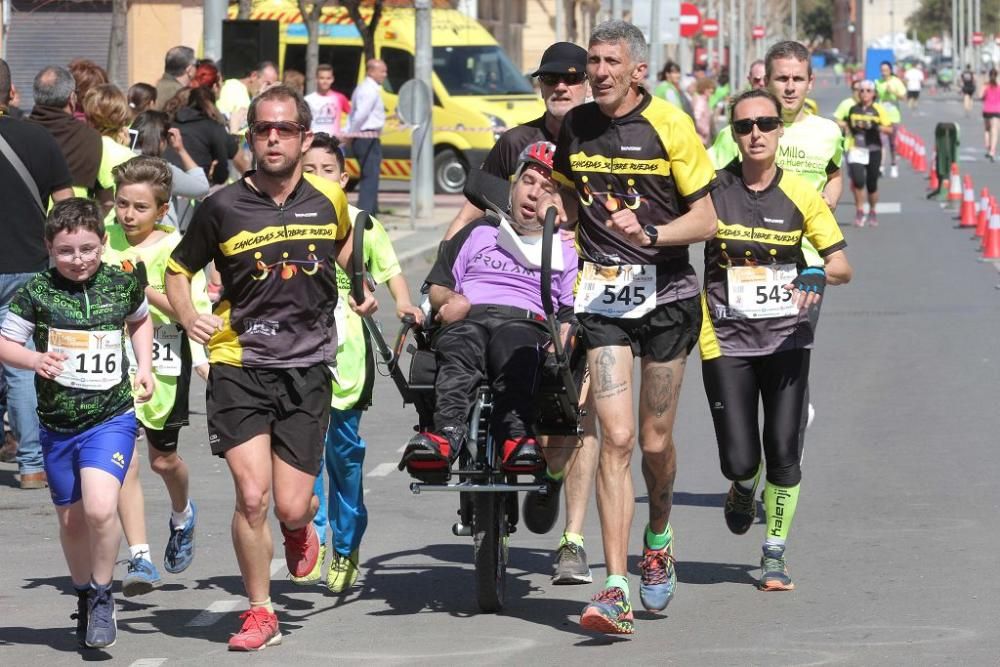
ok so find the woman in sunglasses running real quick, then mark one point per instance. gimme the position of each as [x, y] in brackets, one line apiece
[756, 333]
[865, 124]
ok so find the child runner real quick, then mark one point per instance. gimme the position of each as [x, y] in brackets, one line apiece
[75, 314]
[344, 507]
[139, 244]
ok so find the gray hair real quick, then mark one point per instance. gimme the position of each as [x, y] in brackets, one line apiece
[620, 31]
[53, 86]
[177, 60]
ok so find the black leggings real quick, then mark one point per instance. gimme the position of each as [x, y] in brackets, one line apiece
[508, 351]
[734, 387]
[866, 175]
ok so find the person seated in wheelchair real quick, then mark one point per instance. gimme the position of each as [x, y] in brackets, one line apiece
[485, 289]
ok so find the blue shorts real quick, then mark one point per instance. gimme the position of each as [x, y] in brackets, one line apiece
[107, 446]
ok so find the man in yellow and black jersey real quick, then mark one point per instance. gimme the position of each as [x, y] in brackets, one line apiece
[274, 236]
[757, 334]
[641, 179]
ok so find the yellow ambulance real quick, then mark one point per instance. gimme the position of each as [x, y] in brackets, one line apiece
[478, 91]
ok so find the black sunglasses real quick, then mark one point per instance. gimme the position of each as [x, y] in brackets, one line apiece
[744, 126]
[286, 129]
[570, 79]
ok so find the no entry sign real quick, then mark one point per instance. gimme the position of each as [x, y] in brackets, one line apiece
[710, 28]
[690, 19]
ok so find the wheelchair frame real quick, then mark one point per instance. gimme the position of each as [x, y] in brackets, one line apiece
[488, 504]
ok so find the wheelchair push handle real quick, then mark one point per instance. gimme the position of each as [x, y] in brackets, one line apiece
[362, 223]
[548, 231]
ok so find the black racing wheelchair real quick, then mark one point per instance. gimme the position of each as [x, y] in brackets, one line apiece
[487, 495]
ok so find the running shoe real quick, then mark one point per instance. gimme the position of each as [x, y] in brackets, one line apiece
[315, 574]
[740, 510]
[343, 572]
[429, 456]
[872, 219]
[859, 218]
[102, 623]
[658, 577]
[141, 577]
[260, 629]
[82, 600]
[541, 510]
[301, 549]
[180, 545]
[522, 456]
[608, 612]
[774, 570]
[571, 565]
[894, 172]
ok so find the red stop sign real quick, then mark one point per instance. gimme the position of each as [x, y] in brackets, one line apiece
[710, 28]
[757, 32]
[690, 19]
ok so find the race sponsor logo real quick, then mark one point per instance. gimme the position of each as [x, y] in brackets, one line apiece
[756, 235]
[256, 327]
[581, 162]
[252, 240]
[118, 460]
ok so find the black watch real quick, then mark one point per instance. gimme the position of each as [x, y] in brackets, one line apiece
[650, 231]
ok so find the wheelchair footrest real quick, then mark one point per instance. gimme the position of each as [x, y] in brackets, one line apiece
[416, 488]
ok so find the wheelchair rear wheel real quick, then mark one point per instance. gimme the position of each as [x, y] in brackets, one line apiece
[490, 534]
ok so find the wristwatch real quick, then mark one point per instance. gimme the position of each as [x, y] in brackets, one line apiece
[650, 231]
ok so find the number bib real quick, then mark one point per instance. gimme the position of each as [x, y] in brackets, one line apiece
[94, 358]
[166, 351]
[757, 292]
[857, 156]
[627, 291]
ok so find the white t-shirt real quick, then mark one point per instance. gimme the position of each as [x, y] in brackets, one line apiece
[327, 111]
[914, 78]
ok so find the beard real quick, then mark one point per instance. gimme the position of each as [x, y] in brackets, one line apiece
[282, 170]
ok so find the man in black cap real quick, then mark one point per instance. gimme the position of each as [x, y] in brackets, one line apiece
[562, 76]
[563, 82]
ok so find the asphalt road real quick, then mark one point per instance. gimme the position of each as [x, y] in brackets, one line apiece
[893, 550]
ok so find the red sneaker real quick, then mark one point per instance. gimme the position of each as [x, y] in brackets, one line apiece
[522, 455]
[260, 629]
[301, 549]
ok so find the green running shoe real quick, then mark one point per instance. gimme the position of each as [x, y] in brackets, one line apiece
[774, 570]
[608, 612]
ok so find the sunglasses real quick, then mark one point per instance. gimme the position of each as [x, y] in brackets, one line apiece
[285, 129]
[866, 90]
[744, 126]
[569, 79]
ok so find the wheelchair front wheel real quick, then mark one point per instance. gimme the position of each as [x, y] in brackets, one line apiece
[490, 534]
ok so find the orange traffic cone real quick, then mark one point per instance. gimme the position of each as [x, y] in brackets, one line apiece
[933, 183]
[920, 165]
[983, 214]
[991, 242]
[967, 216]
[954, 187]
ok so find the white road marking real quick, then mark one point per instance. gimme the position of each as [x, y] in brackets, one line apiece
[382, 470]
[887, 207]
[148, 662]
[214, 612]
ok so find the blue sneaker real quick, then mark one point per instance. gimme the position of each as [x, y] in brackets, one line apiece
[658, 579]
[102, 625]
[141, 578]
[180, 546]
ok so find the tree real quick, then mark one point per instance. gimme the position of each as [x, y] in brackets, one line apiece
[933, 17]
[244, 11]
[817, 22]
[311, 13]
[367, 30]
[116, 45]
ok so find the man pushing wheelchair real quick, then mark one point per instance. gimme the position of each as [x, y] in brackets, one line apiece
[485, 291]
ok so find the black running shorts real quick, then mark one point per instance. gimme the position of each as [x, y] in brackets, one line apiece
[290, 404]
[668, 332]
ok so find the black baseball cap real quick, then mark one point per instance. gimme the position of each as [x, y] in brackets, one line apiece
[563, 58]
